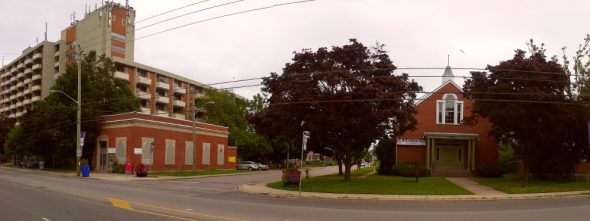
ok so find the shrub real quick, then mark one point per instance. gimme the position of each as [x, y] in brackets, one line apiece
[385, 152]
[489, 171]
[118, 168]
[291, 177]
[409, 170]
[141, 170]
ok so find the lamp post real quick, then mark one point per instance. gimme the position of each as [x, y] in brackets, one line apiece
[78, 123]
[194, 112]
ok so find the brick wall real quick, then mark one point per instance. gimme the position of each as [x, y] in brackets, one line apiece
[146, 126]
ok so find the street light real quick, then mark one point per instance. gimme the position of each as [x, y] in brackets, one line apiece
[195, 132]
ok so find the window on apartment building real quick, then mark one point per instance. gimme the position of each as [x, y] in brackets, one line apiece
[449, 110]
[177, 83]
[189, 153]
[121, 150]
[118, 49]
[118, 37]
[162, 79]
[120, 67]
[177, 97]
[206, 153]
[170, 152]
[220, 155]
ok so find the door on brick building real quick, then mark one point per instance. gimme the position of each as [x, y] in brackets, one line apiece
[449, 156]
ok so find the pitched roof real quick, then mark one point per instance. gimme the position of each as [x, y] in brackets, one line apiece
[427, 95]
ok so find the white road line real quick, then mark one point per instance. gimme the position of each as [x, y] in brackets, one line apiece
[45, 219]
[214, 189]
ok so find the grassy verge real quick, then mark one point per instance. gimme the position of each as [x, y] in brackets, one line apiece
[514, 184]
[195, 173]
[376, 184]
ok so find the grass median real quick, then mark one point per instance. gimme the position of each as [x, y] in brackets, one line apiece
[514, 184]
[376, 184]
[195, 173]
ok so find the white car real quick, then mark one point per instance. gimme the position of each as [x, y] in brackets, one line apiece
[247, 165]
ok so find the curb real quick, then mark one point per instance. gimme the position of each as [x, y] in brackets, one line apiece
[261, 188]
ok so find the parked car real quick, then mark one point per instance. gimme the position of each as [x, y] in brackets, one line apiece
[247, 165]
[262, 166]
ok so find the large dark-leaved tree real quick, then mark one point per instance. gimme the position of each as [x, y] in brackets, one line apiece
[49, 129]
[347, 97]
[527, 100]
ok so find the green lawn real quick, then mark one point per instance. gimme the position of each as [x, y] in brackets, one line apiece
[377, 184]
[514, 184]
[194, 173]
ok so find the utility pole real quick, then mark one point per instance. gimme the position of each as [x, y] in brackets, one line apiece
[306, 135]
[79, 113]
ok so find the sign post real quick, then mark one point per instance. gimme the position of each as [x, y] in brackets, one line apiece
[306, 135]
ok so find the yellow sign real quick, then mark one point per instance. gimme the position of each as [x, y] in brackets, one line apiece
[231, 159]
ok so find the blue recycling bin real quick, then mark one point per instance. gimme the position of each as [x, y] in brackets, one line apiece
[85, 169]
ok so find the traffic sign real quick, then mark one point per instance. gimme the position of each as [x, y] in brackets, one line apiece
[79, 152]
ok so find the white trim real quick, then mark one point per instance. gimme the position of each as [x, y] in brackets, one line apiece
[426, 96]
[141, 113]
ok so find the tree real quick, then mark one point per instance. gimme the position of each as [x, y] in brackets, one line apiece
[50, 127]
[526, 99]
[226, 109]
[6, 124]
[347, 97]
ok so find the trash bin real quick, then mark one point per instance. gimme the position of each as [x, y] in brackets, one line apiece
[85, 169]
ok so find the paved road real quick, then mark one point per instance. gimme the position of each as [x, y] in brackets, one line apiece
[34, 196]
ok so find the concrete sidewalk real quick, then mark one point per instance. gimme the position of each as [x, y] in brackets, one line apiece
[473, 186]
[261, 188]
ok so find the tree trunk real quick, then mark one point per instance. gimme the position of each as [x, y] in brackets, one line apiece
[347, 167]
[339, 167]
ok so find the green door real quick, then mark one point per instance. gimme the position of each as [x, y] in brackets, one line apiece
[449, 157]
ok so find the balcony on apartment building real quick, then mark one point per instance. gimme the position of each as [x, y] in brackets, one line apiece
[28, 61]
[56, 64]
[144, 80]
[37, 55]
[35, 98]
[179, 90]
[20, 66]
[162, 99]
[36, 87]
[36, 66]
[56, 53]
[179, 103]
[27, 71]
[36, 76]
[163, 85]
[122, 75]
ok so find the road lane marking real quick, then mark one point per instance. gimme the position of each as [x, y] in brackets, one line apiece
[186, 212]
[122, 204]
[127, 205]
[45, 219]
[214, 189]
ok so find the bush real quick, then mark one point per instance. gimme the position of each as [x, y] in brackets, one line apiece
[489, 171]
[409, 170]
[141, 170]
[385, 152]
[118, 168]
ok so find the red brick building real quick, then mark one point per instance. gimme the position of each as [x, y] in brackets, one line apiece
[441, 142]
[163, 143]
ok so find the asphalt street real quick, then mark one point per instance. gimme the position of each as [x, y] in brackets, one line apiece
[40, 196]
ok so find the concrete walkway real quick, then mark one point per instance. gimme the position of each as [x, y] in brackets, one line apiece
[473, 186]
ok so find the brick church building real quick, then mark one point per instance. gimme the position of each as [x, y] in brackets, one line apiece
[441, 142]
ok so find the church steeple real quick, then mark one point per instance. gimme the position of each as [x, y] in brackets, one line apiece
[448, 74]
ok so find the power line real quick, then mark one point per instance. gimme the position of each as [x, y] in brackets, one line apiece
[173, 10]
[200, 10]
[225, 15]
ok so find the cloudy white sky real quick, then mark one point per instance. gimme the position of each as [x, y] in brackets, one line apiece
[416, 33]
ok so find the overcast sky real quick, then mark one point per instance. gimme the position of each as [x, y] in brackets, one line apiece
[416, 33]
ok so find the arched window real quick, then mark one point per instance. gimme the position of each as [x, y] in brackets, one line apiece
[449, 110]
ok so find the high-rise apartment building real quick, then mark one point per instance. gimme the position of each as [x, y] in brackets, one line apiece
[107, 30]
